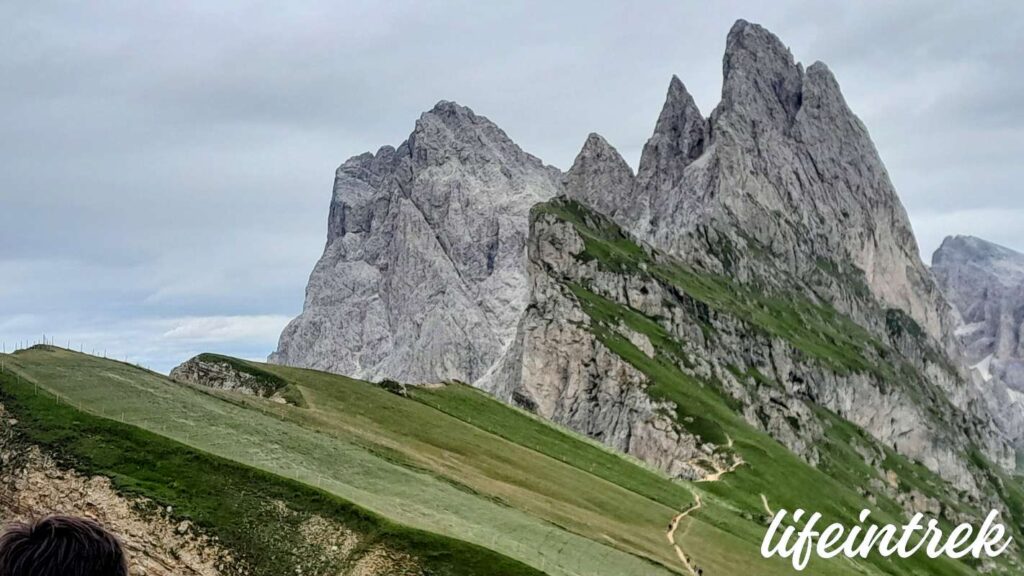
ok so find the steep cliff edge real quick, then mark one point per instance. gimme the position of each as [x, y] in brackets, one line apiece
[423, 276]
[657, 358]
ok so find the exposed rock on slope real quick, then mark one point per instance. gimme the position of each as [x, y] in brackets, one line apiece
[156, 544]
[423, 277]
[777, 357]
[213, 371]
[33, 484]
[985, 282]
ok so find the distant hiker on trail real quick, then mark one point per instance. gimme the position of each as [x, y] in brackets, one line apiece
[61, 546]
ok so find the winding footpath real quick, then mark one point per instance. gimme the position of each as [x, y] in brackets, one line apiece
[671, 534]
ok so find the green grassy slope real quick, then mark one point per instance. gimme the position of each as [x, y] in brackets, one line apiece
[227, 499]
[452, 462]
[519, 476]
[373, 469]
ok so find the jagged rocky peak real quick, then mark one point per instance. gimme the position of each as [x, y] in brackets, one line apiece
[783, 181]
[760, 75]
[423, 276]
[680, 136]
[600, 177]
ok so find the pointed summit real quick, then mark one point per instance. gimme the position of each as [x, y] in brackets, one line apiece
[680, 136]
[761, 79]
[600, 177]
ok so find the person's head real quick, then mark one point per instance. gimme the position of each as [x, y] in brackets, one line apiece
[61, 546]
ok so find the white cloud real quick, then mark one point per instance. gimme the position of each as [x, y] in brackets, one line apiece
[217, 329]
[156, 343]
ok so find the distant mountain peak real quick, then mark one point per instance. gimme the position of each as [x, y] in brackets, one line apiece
[974, 248]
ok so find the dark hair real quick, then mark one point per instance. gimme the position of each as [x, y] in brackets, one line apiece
[61, 546]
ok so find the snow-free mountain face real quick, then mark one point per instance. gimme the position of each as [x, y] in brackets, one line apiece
[423, 277]
[782, 188]
[761, 252]
[781, 168]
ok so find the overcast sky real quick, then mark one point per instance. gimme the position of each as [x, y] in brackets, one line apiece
[165, 170]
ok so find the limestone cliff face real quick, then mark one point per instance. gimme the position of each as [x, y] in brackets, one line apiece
[781, 168]
[423, 277]
[985, 282]
[558, 369]
[562, 371]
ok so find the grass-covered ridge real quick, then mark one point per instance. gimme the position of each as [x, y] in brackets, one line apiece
[238, 504]
[397, 458]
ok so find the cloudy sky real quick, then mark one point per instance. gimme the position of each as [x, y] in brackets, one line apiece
[165, 168]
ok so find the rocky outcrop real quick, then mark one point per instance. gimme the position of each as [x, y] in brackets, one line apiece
[424, 275]
[558, 369]
[223, 373]
[985, 282]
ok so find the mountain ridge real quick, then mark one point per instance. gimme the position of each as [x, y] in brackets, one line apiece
[763, 246]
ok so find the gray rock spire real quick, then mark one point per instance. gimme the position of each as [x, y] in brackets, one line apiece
[680, 136]
[423, 276]
[787, 175]
[600, 178]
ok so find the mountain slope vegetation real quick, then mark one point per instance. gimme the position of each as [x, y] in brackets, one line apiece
[445, 475]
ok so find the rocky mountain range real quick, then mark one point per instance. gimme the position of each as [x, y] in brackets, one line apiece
[781, 166]
[760, 252]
